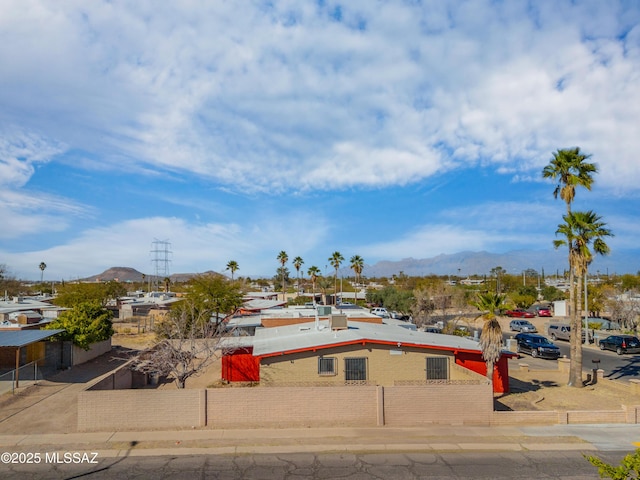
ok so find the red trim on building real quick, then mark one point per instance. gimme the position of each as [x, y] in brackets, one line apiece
[242, 366]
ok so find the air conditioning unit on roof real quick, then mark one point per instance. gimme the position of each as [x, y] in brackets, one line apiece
[338, 322]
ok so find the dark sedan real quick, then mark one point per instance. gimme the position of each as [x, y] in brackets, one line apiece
[621, 344]
[536, 346]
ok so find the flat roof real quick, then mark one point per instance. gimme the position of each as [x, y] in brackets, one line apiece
[279, 340]
[20, 338]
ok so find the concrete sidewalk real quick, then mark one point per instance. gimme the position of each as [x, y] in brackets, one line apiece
[353, 440]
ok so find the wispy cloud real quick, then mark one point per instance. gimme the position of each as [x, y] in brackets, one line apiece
[285, 96]
[305, 99]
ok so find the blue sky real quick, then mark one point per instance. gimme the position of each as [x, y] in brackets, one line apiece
[383, 129]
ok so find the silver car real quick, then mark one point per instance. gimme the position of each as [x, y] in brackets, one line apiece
[522, 326]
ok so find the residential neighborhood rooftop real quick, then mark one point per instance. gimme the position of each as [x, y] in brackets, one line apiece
[270, 341]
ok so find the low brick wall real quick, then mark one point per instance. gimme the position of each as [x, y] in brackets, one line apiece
[80, 355]
[438, 404]
[122, 410]
[626, 415]
[525, 418]
[278, 407]
[101, 409]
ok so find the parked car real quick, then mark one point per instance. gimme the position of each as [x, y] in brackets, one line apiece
[519, 312]
[432, 329]
[544, 312]
[380, 312]
[536, 346]
[621, 344]
[562, 331]
[522, 326]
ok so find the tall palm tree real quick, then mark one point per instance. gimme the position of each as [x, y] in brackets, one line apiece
[42, 266]
[314, 273]
[491, 337]
[232, 266]
[297, 263]
[580, 230]
[283, 258]
[335, 260]
[570, 169]
[357, 264]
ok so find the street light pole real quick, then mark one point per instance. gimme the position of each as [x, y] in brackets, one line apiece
[586, 312]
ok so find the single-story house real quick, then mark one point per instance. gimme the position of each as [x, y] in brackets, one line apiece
[340, 351]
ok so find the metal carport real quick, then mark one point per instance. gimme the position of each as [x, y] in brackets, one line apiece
[21, 338]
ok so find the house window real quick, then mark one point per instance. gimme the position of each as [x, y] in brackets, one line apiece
[327, 366]
[355, 369]
[437, 368]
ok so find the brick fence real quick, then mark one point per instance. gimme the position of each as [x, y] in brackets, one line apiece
[280, 407]
[103, 407]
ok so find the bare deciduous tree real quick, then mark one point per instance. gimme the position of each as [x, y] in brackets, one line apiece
[625, 311]
[188, 344]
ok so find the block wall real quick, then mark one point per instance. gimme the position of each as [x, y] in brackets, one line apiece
[466, 404]
[291, 407]
[125, 410]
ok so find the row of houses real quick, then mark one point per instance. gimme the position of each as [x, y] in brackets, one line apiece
[310, 345]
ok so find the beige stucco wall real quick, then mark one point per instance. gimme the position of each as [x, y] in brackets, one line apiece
[383, 368]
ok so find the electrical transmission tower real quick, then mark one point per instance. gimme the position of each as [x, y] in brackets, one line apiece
[161, 251]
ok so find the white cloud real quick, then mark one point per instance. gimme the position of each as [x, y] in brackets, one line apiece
[196, 247]
[285, 96]
[491, 226]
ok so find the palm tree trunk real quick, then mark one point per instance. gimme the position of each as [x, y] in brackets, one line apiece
[575, 369]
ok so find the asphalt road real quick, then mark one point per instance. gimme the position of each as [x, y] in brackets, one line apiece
[466, 465]
[616, 367]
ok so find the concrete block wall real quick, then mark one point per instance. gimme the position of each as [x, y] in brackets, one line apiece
[280, 407]
[466, 404]
[550, 417]
[123, 410]
[629, 415]
[80, 355]
[602, 416]
[291, 407]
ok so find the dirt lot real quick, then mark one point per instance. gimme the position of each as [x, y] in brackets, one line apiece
[548, 390]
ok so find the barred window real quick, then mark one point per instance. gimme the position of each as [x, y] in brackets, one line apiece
[327, 366]
[355, 368]
[437, 368]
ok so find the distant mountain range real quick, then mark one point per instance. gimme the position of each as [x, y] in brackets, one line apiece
[127, 274]
[458, 264]
[480, 263]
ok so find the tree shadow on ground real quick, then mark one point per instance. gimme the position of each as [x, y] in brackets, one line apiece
[518, 386]
[631, 368]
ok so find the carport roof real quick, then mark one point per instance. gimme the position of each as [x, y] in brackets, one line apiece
[20, 338]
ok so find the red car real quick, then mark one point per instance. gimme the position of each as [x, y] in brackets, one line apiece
[544, 312]
[519, 313]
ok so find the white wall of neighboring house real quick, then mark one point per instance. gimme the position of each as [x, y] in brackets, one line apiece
[560, 308]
